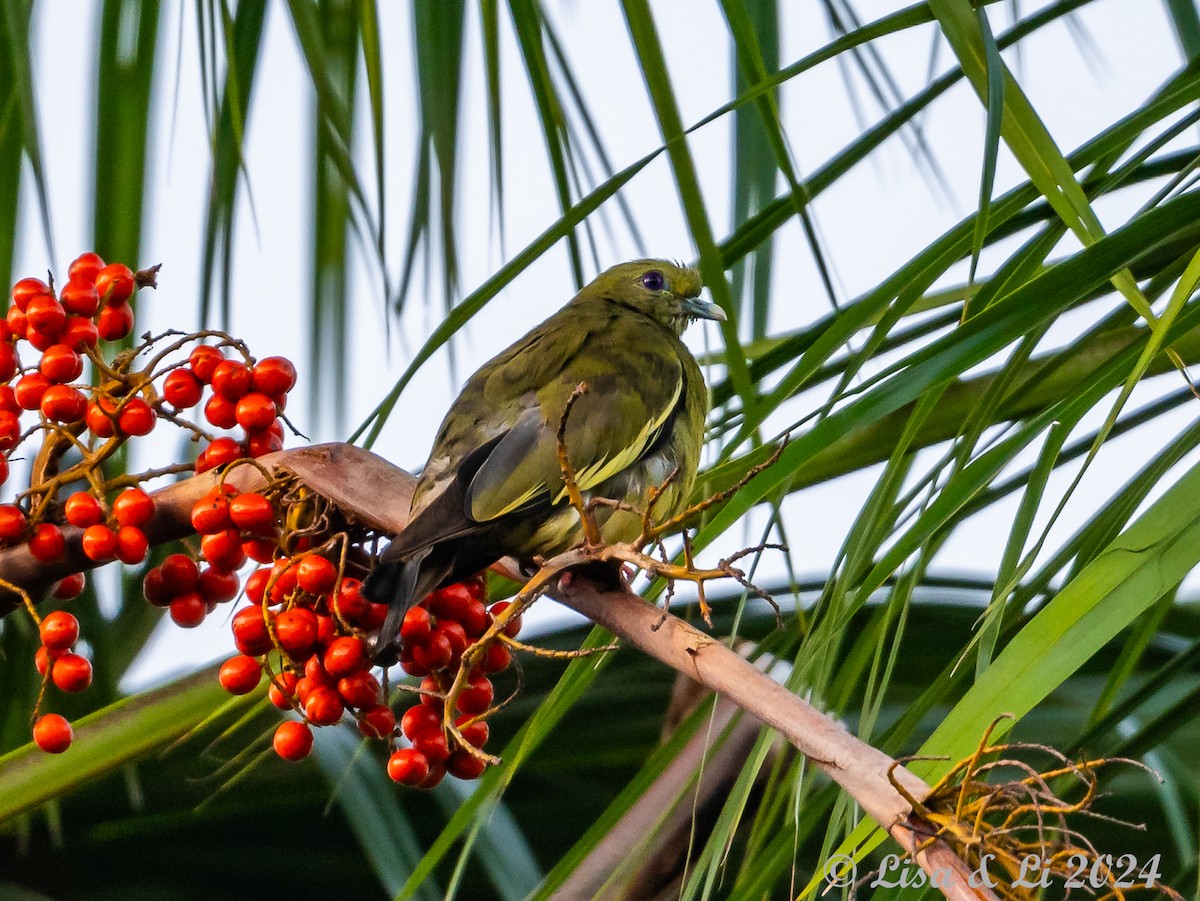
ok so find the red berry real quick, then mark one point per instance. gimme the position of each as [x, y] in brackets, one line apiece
[59, 630]
[374, 617]
[100, 419]
[255, 412]
[221, 412]
[52, 733]
[8, 361]
[433, 745]
[69, 587]
[60, 364]
[252, 513]
[154, 588]
[464, 765]
[259, 444]
[304, 687]
[240, 675]
[42, 340]
[114, 322]
[316, 674]
[29, 390]
[133, 507]
[513, 626]
[274, 376]
[99, 543]
[283, 580]
[62, 403]
[437, 772]
[79, 332]
[326, 631]
[409, 664]
[451, 601]
[8, 398]
[218, 585]
[316, 574]
[282, 690]
[231, 380]
[416, 626]
[137, 418]
[180, 573]
[80, 297]
[12, 523]
[408, 767]
[475, 619]
[42, 658]
[496, 658]
[348, 602]
[188, 610]
[219, 453]
[260, 550]
[256, 585]
[83, 510]
[47, 543]
[250, 632]
[473, 733]
[345, 655]
[454, 633]
[10, 430]
[114, 282]
[132, 545]
[360, 690]
[17, 322]
[181, 389]
[203, 360]
[419, 719]
[85, 266]
[377, 722]
[27, 289]
[476, 696]
[72, 673]
[296, 630]
[434, 653]
[432, 693]
[223, 549]
[293, 740]
[324, 706]
[210, 514]
[46, 315]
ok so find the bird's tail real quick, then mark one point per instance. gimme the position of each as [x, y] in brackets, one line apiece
[401, 584]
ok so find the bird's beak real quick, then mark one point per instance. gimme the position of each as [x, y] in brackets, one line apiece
[702, 309]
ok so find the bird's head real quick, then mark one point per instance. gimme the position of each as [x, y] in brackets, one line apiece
[664, 291]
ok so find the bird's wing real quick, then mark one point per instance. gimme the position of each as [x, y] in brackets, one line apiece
[634, 380]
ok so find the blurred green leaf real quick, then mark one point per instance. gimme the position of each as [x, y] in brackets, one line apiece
[128, 45]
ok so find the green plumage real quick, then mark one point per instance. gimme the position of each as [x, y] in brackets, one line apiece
[493, 486]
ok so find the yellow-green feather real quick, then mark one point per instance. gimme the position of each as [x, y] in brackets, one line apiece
[493, 485]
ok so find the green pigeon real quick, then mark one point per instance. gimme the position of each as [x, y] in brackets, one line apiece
[493, 486]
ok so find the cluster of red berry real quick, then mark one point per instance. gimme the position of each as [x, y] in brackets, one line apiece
[434, 635]
[250, 396]
[306, 624]
[188, 592]
[70, 672]
[93, 403]
[93, 304]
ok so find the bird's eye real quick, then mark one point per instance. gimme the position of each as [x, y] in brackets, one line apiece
[653, 280]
